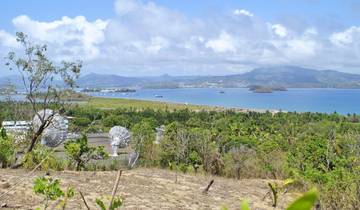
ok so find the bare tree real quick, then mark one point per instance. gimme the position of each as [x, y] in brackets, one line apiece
[40, 77]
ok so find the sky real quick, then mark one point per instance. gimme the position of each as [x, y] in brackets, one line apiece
[187, 37]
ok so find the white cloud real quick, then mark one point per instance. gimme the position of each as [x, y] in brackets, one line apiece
[125, 6]
[279, 30]
[76, 36]
[7, 40]
[146, 38]
[157, 43]
[243, 12]
[224, 43]
[346, 37]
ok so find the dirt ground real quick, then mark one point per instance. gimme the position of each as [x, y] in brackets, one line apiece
[144, 189]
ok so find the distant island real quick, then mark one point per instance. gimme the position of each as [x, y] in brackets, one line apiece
[265, 89]
[108, 90]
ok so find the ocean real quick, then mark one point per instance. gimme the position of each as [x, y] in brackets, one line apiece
[342, 101]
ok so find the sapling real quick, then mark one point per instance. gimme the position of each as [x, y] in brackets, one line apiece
[277, 189]
[116, 203]
[50, 189]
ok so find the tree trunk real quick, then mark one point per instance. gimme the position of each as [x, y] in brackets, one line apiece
[36, 136]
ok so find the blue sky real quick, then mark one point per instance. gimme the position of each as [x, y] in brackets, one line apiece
[346, 11]
[140, 37]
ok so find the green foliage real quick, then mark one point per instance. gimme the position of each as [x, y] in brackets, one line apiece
[116, 203]
[244, 205]
[80, 153]
[81, 122]
[305, 202]
[278, 189]
[45, 156]
[50, 189]
[274, 192]
[143, 137]
[114, 120]
[6, 149]
[320, 150]
[3, 133]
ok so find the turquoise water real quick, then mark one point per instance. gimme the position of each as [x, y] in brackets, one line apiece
[343, 101]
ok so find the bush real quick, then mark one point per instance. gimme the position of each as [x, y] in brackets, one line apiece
[143, 137]
[81, 122]
[40, 153]
[50, 189]
[80, 153]
[6, 149]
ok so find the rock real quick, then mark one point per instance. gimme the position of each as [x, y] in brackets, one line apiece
[4, 185]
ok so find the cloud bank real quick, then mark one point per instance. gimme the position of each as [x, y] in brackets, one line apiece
[144, 38]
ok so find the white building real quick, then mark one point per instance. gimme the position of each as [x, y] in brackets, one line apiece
[16, 126]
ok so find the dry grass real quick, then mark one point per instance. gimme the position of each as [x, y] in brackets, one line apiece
[113, 103]
[148, 189]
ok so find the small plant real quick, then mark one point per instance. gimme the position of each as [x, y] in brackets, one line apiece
[79, 152]
[244, 205]
[305, 202]
[50, 189]
[195, 160]
[116, 203]
[277, 189]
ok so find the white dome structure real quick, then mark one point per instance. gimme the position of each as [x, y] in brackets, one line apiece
[119, 138]
[56, 132]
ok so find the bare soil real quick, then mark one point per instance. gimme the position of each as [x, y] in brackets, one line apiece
[144, 189]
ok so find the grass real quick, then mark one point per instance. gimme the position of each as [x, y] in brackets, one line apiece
[113, 103]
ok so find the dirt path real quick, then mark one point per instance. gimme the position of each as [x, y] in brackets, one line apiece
[146, 189]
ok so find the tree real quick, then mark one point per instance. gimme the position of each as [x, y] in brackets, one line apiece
[38, 74]
[79, 152]
[144, 136]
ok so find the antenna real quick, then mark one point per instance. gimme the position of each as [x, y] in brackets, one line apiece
[56, 132]
[119, 138]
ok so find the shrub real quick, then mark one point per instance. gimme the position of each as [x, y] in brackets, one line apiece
[80, 153]
[50, 189]
[46, 156]
[81, 122]
[116, 203]
[6, 149]
[143, 137]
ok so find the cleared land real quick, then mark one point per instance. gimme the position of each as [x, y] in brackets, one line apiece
[146, 189]
[113, 103]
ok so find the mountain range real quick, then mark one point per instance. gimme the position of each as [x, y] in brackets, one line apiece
[284, 76]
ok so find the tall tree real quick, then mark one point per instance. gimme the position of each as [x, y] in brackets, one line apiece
[38, 74]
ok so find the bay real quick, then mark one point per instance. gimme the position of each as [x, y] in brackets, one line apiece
[342, 101]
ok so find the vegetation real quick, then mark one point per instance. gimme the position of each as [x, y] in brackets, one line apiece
[44, 157]
[38, 74]
[6, 149]
[114, 103]
[80, 153]
[116, 204]
[314, 149]
[50, 189]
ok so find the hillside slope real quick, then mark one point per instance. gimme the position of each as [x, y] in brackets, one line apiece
[148, 189]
